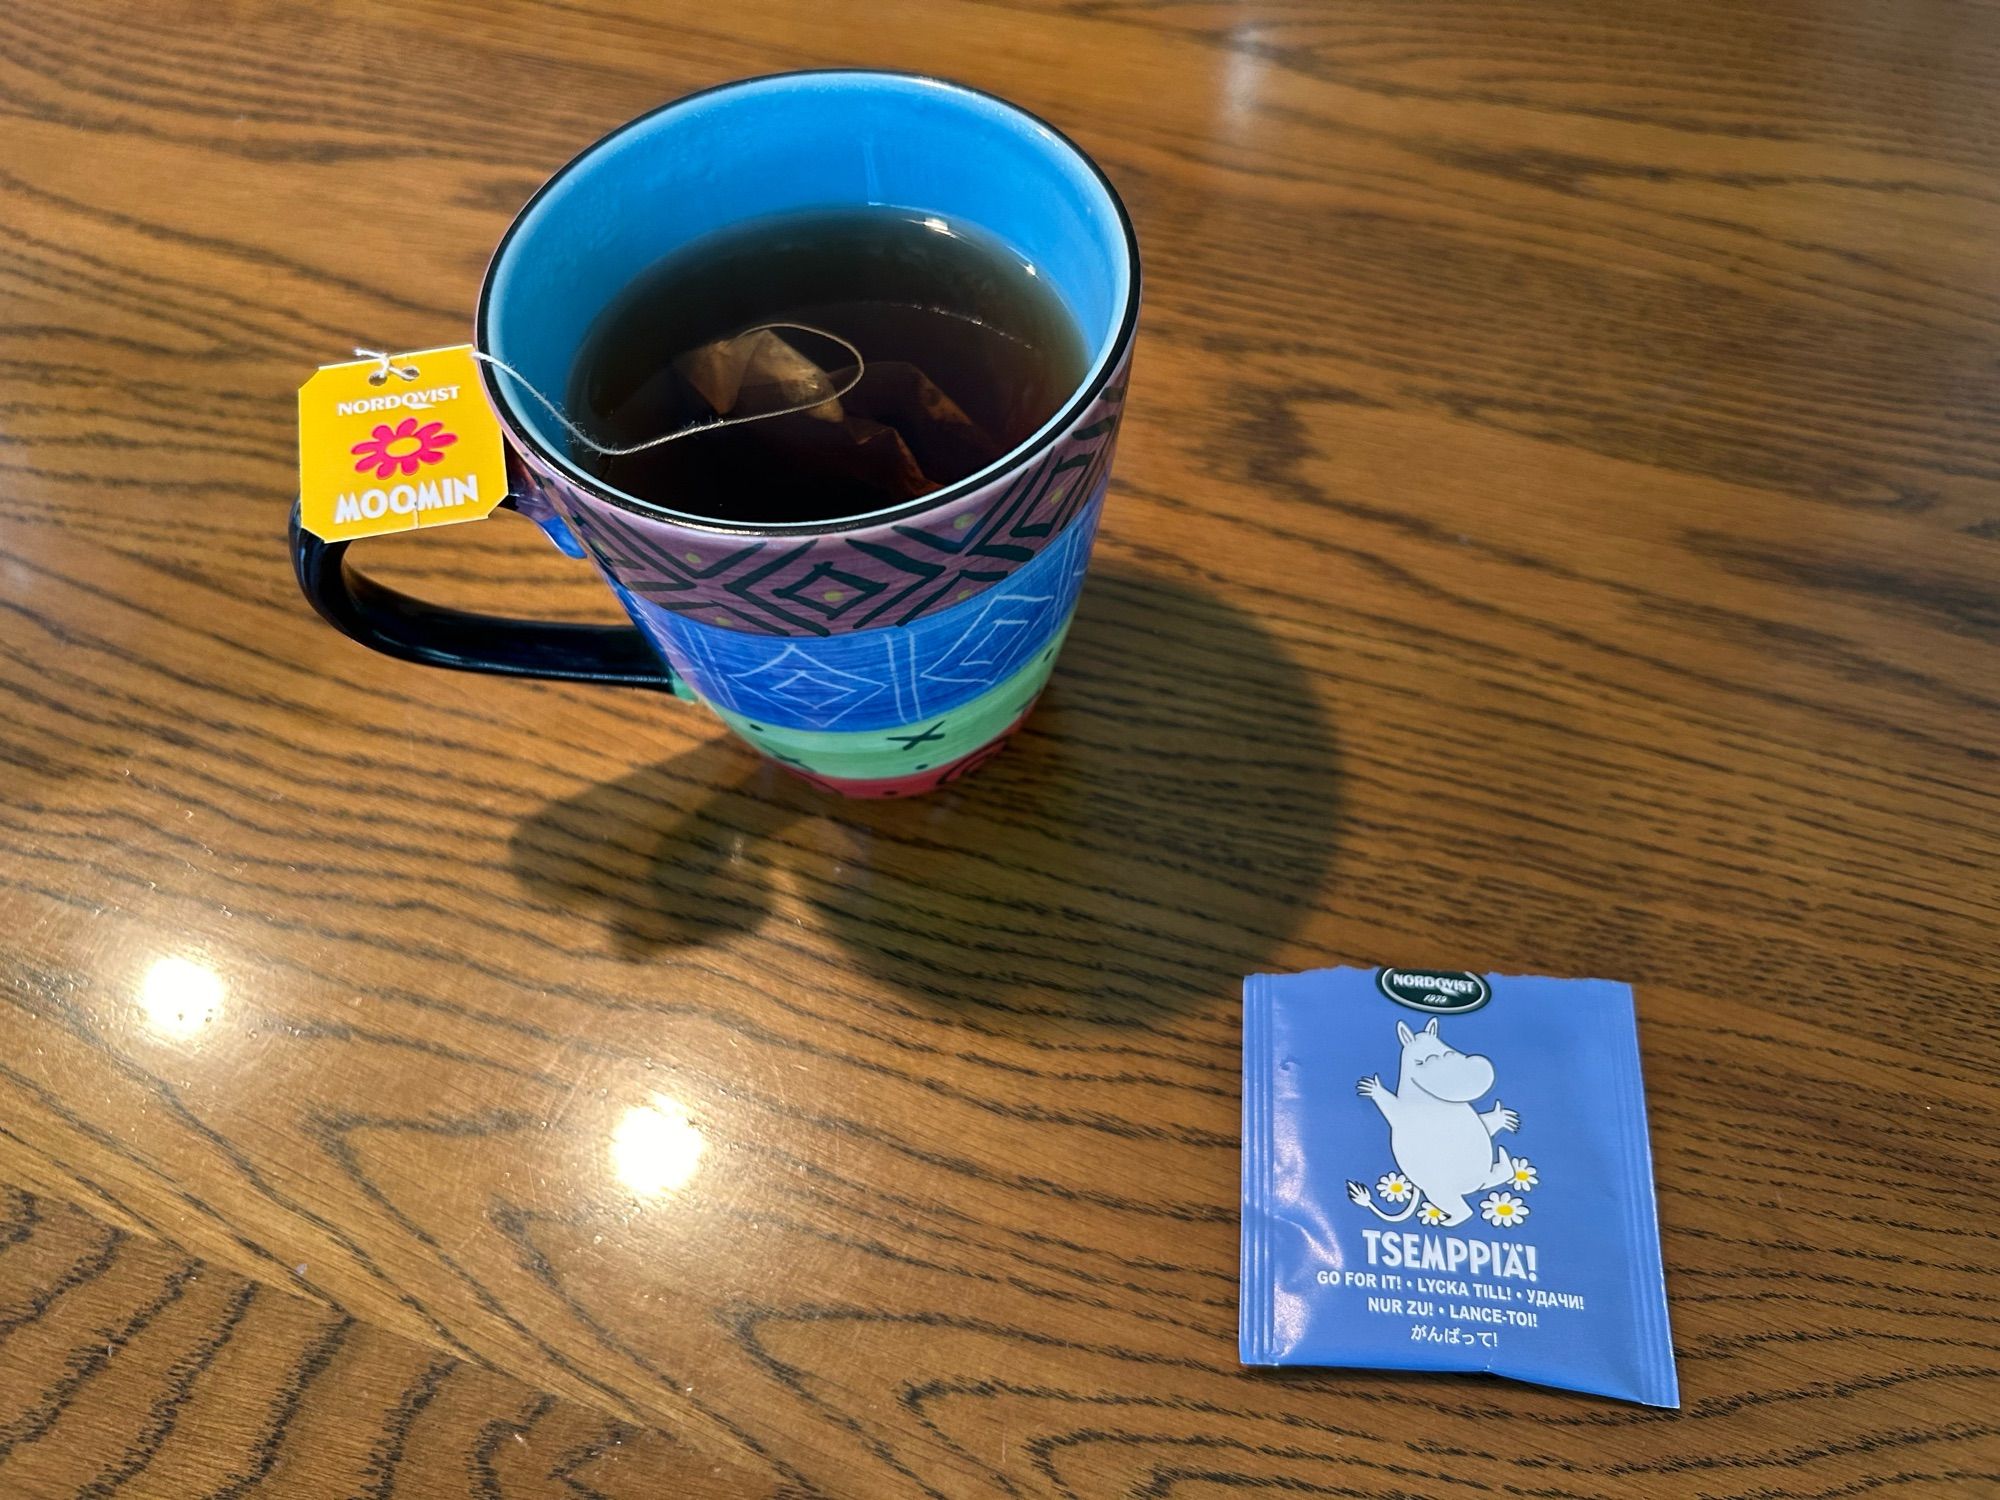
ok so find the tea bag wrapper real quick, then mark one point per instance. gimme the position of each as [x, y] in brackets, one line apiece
[892, 427]
[1450, 1171]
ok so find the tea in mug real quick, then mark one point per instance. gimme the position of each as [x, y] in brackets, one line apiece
[964, 351]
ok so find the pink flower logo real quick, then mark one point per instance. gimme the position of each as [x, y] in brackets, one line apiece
[402, 447]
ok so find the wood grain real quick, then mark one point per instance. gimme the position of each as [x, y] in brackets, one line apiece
[1557, 529]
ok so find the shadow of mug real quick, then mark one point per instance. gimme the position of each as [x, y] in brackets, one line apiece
[1153, 833]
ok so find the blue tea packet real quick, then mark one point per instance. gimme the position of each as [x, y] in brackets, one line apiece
[1449, 1171]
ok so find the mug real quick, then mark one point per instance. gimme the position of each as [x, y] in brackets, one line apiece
[876, 655]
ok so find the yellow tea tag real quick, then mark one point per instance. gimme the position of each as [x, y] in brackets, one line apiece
[387, 445]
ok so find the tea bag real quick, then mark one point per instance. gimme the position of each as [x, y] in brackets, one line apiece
[890, 427]
[765, 362]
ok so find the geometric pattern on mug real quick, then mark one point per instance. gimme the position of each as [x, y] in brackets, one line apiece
[904, 749]
[882, 678]
[863, 579]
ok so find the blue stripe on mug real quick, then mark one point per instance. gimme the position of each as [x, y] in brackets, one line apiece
[879, 679]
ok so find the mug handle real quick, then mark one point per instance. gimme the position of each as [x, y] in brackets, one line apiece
[397, 625]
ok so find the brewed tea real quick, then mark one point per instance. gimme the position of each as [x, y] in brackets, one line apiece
[965, 351]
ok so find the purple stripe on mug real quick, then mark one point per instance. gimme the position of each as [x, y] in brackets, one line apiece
[744, 150]
[843, 581]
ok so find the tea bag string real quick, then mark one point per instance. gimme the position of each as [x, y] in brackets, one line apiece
[386, 366]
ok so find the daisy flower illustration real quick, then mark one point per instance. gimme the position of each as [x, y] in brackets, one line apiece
[402, 447]
[1430, 1213]
[1394, 1186]
[1525, 1175]
[1503, 1210]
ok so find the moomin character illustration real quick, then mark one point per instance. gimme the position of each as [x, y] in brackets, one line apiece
[1445, 1149]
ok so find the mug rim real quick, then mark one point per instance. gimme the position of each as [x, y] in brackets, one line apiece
[1046, 436]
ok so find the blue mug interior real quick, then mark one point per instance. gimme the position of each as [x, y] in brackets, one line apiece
[796, 141]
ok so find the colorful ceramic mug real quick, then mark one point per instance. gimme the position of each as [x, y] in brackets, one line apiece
[878, 654]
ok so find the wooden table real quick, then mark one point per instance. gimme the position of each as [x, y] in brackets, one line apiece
[1557, 529]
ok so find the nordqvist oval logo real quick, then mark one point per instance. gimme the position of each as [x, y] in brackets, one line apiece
[1437, 992]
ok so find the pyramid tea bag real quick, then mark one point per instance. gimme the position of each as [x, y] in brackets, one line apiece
[763, 360]
[886, 425]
